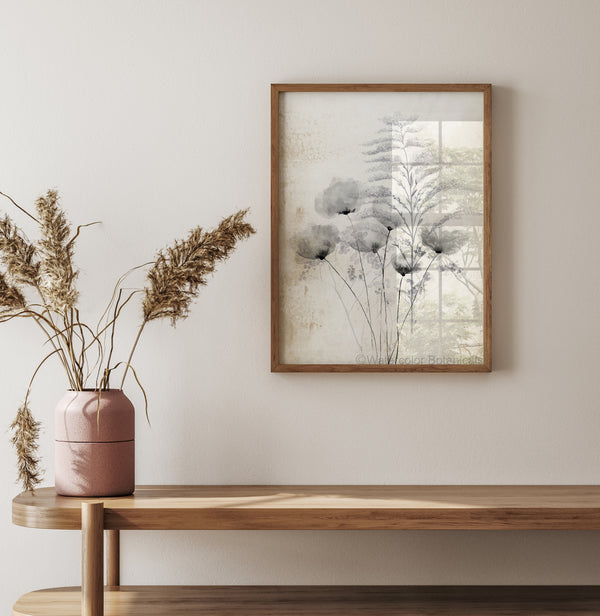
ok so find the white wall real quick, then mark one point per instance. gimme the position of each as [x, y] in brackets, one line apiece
[154, 117]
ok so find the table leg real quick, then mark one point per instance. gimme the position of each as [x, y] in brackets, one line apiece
[92, 578]
[113, 571]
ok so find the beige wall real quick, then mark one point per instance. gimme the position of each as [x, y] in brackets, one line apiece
[154, 117]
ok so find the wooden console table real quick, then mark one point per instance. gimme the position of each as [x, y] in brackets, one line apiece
[305, 508]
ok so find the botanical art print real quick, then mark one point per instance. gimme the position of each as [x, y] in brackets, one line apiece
[381, 228]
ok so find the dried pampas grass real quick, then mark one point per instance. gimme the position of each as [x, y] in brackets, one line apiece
[181, 269]
[57, 275]
[26, 431]
[45, 269]
[17, 254]
[10, 295]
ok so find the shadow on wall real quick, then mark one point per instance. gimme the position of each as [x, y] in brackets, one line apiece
[504, 171]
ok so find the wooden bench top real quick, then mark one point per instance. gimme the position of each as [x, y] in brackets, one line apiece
[321, 600]
[320, 507]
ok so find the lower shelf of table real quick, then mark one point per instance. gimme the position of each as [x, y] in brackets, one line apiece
[321, 601]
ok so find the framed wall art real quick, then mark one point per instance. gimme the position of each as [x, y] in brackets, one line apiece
[381, 228]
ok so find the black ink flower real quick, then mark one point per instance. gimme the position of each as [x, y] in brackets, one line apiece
[317, 241]
[442, 241]
[400, 264]
[341, 197]
[367, 235]
[385, 214]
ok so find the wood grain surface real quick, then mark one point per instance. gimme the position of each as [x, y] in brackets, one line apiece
[92, 575]
[277, 89]
[325, 508]
[113, 558]
[322, 601]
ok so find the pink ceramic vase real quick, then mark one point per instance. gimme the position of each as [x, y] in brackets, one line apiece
[94, 444]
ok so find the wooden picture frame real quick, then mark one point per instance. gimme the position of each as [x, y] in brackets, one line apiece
[381, 228]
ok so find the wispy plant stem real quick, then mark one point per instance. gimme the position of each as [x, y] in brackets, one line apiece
[357, 299]
[362, 267]
[383, 292]
[19, 207]
[60, 336]
[71, 350]
[53, 336]
[397, 319]
[413, 299]
[35, 373]
[347, 313]
[58, 349]
[112, 338]
[137, 339]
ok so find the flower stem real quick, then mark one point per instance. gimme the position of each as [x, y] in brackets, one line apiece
[414, 298]
[397, 319]
[362, 267]
[414, 295]
[383, 291]
[347, 313]
[357, 299]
